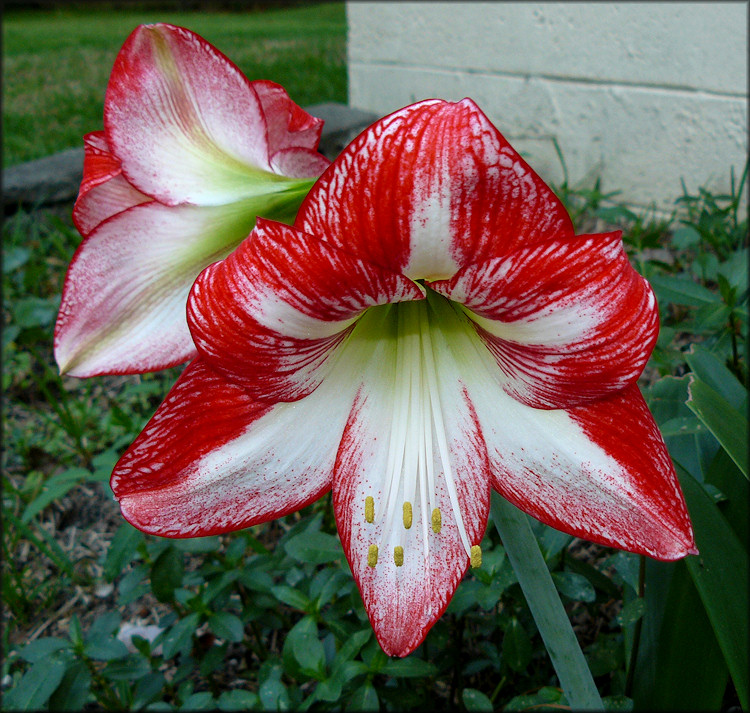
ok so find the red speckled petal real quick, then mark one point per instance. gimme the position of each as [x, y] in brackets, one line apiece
[567, 321]
[123, 303]
[185, 123]
[213, 459]
[430, 188]
[271, 314]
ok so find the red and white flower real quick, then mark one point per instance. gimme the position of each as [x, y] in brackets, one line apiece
[190, 154]
[429, 329]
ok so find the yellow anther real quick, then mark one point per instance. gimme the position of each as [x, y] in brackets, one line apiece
[369, 510]
[437, 521]
[476, 556]
[372, 556]
[398, 555]
[407, 514]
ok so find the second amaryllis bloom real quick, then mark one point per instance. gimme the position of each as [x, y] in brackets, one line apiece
[191, 153]
[430, 328]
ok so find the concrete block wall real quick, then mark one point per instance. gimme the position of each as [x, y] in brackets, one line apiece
[643, 94]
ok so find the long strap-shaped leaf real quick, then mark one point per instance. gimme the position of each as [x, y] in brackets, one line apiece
[544, 601]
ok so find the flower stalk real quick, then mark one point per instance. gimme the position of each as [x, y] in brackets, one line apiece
[549, 614]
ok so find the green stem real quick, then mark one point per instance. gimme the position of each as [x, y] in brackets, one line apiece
[551, 619]
[637, 631]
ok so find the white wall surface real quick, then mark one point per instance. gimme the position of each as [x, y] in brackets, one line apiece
[641, 93]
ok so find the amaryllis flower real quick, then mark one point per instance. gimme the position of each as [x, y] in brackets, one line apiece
[429, 329]
[190, 154]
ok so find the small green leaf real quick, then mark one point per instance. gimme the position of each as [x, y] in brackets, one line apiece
[545, 697]
[104, 649]
[710, 369]
[597, 578]
[552, 541]
[682, 291]
[517, 646]
[631, 612]
[227, 626]
[74, 690]
[166, 574]
[15, 257]
[410, 667]
[196, 545]
[37, 685]
[180, 636]
[350, 648]
[148, 689]
[728, 425]
[575, 586]
[291, 596]
[685, 237]
[75, 632]
[365, 698]
[618, 703]
[199, 702]
[131, 668]
[238, 700]
[274, 696]
[42, 648]
[475, 700]
[314, 548]
[104, 625]
[57, 486]
[605, 654]
[121, 550]
[682, 426]
[304, 646]
[31, 312]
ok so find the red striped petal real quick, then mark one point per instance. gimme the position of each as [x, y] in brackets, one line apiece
[599, 471]
[271, 314]
[289, 126]
[213, 459]
[430, 188]
[567, 321]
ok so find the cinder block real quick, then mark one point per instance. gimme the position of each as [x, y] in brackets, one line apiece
[643, 94]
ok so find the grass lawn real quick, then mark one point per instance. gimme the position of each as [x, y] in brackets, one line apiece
[56, 64]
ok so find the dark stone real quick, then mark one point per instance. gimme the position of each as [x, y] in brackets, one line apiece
[56, 178]
[52, 179]
[342, 124]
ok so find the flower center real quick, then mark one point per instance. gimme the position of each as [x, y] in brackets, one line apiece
[418, 460]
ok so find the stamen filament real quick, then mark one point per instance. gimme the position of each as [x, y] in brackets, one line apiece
[437, 415]
[397, 442]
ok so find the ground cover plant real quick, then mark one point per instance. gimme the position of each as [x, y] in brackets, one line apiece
[269, 618]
